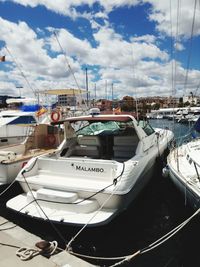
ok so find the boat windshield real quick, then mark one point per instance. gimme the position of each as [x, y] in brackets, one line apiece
[105, 127]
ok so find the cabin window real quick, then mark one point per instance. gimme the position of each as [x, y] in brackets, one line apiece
[23, 120]
[146, 127]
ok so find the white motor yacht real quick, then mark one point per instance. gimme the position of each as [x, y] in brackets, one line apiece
[102, 165]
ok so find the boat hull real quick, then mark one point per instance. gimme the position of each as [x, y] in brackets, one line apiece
[9, 171]
[93, 215]
[184, 170]
[190, 196]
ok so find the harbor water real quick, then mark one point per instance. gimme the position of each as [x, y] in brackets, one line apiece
[157, 210]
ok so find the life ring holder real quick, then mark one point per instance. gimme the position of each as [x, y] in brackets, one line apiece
[55, 116]
[51, 139]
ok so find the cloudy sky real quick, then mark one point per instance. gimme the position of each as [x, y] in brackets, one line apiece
[133, 47]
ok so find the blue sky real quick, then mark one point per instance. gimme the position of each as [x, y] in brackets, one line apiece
[140, 47]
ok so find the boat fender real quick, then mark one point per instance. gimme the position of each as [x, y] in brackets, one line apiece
[55, 116]
[165, 172]
[64, 151]
[51, 139]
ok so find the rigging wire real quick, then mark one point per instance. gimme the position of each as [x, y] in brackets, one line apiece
[173, 53]
[172, 65]
[22, 73]
[68, 64]
[175, 44]
[190, 47]
[136, 104]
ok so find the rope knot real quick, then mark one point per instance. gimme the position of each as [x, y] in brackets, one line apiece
[44, 248]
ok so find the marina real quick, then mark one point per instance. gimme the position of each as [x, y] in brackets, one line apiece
[99, 133]
[157, 210]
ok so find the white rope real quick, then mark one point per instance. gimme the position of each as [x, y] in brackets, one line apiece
[160, 241]
[28, 253]
[6, 189]
[153, 245]
[68, 247]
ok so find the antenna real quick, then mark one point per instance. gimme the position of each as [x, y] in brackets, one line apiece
[106, 89]
[112, 91]
[86, 80]
[95, 91]
[136, 105]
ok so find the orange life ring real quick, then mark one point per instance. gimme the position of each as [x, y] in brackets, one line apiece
[55, 116]
[51, 139]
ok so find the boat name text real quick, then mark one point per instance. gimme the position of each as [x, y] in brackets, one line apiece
[89, 169]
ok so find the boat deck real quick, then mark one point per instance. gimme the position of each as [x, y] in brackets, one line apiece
[29, 154]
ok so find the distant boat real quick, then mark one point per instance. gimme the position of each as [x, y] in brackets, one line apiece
[43, 140]
[173, 113]
[159, 117]
[183, 166]
[15, 124]
[96, 172]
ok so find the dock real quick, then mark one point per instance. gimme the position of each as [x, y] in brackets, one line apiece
[13, 237]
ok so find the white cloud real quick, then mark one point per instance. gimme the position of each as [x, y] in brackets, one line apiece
[72, 45]
[144, 38]
[67, 7]
[177, 19]
[112, 4]
[166, 20]
[136, 67]
[29, 58]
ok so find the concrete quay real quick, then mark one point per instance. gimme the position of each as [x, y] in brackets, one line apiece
[13, 237]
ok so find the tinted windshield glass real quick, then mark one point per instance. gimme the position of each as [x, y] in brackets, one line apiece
[23, 120]
[106, 127]
[146, 127]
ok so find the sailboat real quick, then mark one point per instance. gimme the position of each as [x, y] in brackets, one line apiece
[183, 167]
[102, 165]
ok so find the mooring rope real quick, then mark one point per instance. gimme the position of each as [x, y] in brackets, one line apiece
[7, 188]
[68, 246]
[100, 208]
[47, 249]
[128, 258]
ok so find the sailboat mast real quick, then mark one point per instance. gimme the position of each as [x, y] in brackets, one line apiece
[86, 81]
